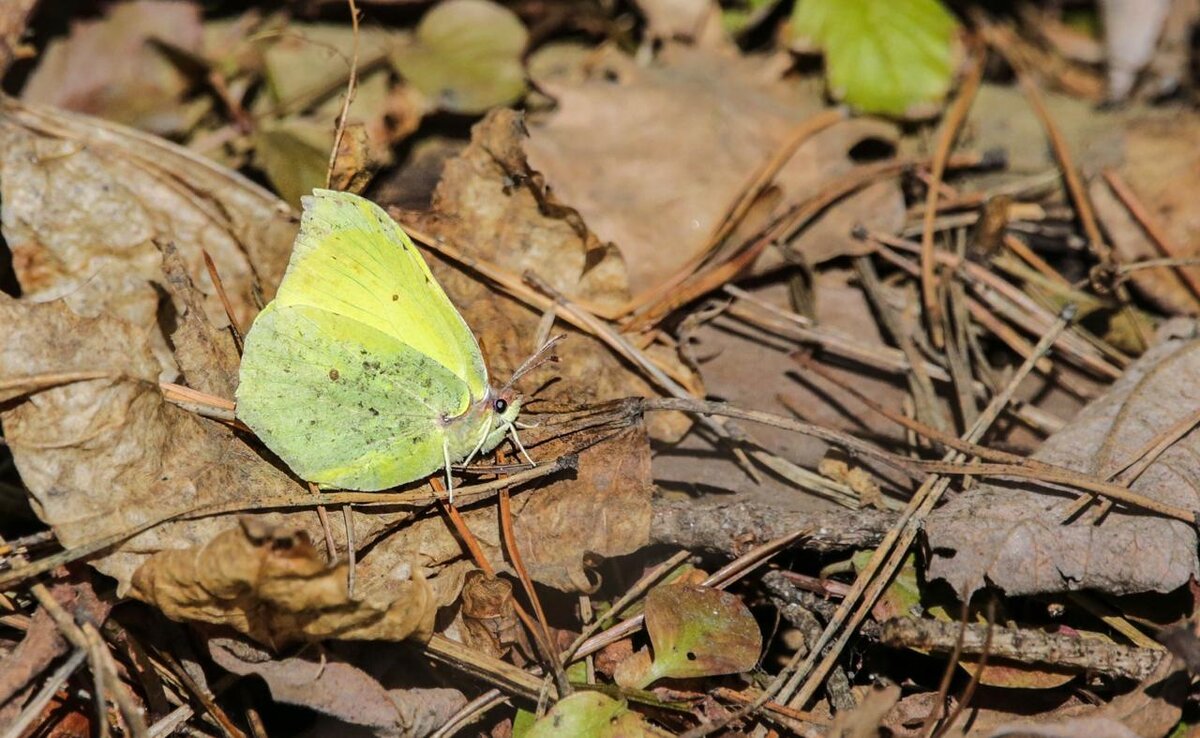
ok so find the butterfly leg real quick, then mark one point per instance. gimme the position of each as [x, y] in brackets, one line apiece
[471, 456]
[449, 479]
[512, 431]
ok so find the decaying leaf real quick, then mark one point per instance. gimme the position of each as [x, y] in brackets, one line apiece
[272, 585]
[492, 205]
[336, 683]
[603, 512]
[695, 631]
[1160, 169]
[590, 714]
[113, 68]
[86, 202]
[663, 192]
[465, 56]
[489, 616]
[1017, 538]
[865, 720]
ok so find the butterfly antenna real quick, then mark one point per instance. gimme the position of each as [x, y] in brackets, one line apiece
[539, 357]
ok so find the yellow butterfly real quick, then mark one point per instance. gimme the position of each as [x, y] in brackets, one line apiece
[361, 374]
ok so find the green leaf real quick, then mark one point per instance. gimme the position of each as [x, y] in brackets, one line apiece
[591, 714]
[893, 57]
[695, 631]
[466, 56]
[294, 154]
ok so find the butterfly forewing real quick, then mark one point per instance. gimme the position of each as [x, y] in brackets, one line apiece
[352, 260]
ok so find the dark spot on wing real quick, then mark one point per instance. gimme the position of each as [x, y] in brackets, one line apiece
[333, 374]
[373, 411]
[395, 297]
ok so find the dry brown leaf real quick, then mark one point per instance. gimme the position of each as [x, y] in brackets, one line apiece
[1150, 711]
[1162, 168]
[696, 21]
[85, 202]
[752, 368]
[1012, 536]
[339, 685]
[493, 206]
[103, 456]
[866, 720]
[489, 617]
[14, 17]
[112, 68]
[603, 512]
[653, 156]
[271, 584]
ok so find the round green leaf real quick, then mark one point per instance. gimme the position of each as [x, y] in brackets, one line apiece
[466, 56]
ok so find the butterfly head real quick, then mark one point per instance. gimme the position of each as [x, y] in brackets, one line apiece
[503, 405]
[506, 406]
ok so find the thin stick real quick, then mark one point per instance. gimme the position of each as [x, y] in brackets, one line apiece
[943, 692]
[351, 553]
[215, 276]
[946, 137]
[969, 691]
[18, 574]
[33, 710]
[540, 639]
[351, 84]
[514, 555]
[872, 580]
[323, 516]
[737, 210]
[1155, 447]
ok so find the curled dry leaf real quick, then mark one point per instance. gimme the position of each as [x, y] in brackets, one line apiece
[489, 617]
[86, 201]
[271, 584]
[333, 684]
[704, 124]
[493, 206]
[1015, 537]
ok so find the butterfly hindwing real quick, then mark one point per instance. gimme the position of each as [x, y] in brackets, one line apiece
[343, 403]
[352, 260]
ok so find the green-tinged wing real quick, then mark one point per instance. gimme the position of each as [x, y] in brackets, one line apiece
[343, 403]
[352, 260]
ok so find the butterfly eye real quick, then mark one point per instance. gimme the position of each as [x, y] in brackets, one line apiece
[500, 405]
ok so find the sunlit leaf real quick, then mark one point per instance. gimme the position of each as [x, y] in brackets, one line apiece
[894, 58]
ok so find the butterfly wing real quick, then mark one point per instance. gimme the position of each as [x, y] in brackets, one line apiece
[352, 260]
[342, 403]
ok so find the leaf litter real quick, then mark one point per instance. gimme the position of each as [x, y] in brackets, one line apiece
[698, 216]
